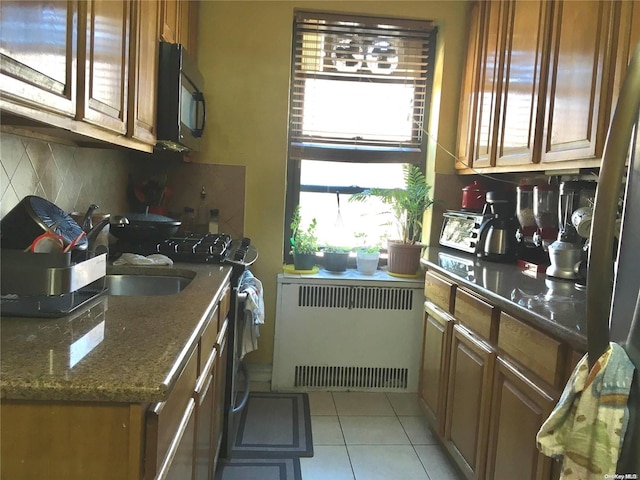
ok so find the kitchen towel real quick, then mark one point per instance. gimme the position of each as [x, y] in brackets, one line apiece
[155, 259]
[253, 312]
[588, 424]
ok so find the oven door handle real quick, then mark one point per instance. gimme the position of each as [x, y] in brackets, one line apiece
[245, 396]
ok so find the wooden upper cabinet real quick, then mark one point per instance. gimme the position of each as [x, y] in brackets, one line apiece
[141, 123]
[169, 20]
[179, 23]
[104, 73]
[39, 56]
[578, 97]
[489, 85]
[525, 25]
[628, 41]
[468, 96]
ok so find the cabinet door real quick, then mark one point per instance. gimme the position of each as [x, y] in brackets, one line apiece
[180, 461]
[104, 58]
[519, 408]
[220, 374]
[468, 95]
[468, 402]
[169, 20]
[205, 402]
[39, 56]
[143, 69]
[489, 86]
[525, 25]
[578, 97]
[628, 41]
[435, 367]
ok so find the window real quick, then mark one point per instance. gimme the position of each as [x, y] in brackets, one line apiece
[360, 93]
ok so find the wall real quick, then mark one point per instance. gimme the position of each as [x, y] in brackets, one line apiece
[73, 178]
[244, 53]
[66, 175]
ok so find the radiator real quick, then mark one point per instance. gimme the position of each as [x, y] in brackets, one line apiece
[347, 332]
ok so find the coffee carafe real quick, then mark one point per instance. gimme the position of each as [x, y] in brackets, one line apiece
[497, 234]
[566, 254]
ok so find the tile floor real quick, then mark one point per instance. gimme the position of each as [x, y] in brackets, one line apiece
[372, 436]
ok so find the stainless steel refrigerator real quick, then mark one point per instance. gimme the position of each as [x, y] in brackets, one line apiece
[615, 317]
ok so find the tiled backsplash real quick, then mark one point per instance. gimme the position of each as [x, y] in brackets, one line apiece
[74, 177]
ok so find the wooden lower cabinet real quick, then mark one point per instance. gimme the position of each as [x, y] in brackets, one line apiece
[468, 401]
[519, 408]
[222, 346]
[438, 328]
[180, 459]
[206, 393]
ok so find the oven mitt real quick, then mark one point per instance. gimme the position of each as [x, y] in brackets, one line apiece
[155, 259]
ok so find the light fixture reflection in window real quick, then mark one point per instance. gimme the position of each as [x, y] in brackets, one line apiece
[382, 58]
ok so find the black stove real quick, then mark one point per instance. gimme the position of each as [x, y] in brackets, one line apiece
[214, 248]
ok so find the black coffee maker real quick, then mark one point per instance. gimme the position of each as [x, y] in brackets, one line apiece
[497, 238]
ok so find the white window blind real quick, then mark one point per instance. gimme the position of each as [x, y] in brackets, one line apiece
[359, 84]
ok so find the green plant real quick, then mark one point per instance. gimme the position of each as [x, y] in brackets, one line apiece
[364, 245]
[303, 241]
[336, 249]
[407, 204]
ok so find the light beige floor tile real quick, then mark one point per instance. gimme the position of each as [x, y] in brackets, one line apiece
[373, 430]
[405, 403]
[328, 463]
[417, 429]
[437, 463]
[326, 430]
[386, 462]
[362, 403]
[321, 403]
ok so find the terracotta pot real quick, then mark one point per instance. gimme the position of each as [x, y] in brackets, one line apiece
[404, 258]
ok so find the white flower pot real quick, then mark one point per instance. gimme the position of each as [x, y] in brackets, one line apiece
[367, 263]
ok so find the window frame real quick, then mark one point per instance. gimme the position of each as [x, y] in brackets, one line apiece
[345, 151]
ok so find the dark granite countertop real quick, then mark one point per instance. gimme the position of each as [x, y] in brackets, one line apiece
[555, 306]
[115, 348]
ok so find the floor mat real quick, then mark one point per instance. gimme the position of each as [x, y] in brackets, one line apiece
[259, 468]
[274, 425]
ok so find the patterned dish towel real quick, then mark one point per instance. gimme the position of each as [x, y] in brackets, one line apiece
[588, 424]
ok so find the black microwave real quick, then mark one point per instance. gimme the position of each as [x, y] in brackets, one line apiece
[181, 104]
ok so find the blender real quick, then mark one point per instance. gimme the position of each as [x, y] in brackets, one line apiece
[566, 253]
[545, 212]
[529, 251]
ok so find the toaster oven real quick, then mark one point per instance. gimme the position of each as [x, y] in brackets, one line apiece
[461, 230]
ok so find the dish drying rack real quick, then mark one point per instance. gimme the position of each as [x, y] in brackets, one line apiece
[48, 284]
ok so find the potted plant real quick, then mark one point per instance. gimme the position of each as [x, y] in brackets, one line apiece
[367, 255]
[304, 242]
[408, 205]
[336, 258]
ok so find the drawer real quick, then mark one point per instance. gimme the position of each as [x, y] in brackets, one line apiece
[439, 291]
[164, 418]
[477, 315]
[225, 303]
[208, 339]
[538, 352]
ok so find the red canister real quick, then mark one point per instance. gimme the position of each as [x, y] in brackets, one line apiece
[473, 197]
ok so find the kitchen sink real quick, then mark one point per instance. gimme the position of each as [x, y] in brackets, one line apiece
[145, 285]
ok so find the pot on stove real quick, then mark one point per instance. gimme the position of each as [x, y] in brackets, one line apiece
[143, 227]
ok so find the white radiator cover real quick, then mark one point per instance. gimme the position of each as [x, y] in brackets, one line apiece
[347, 332]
